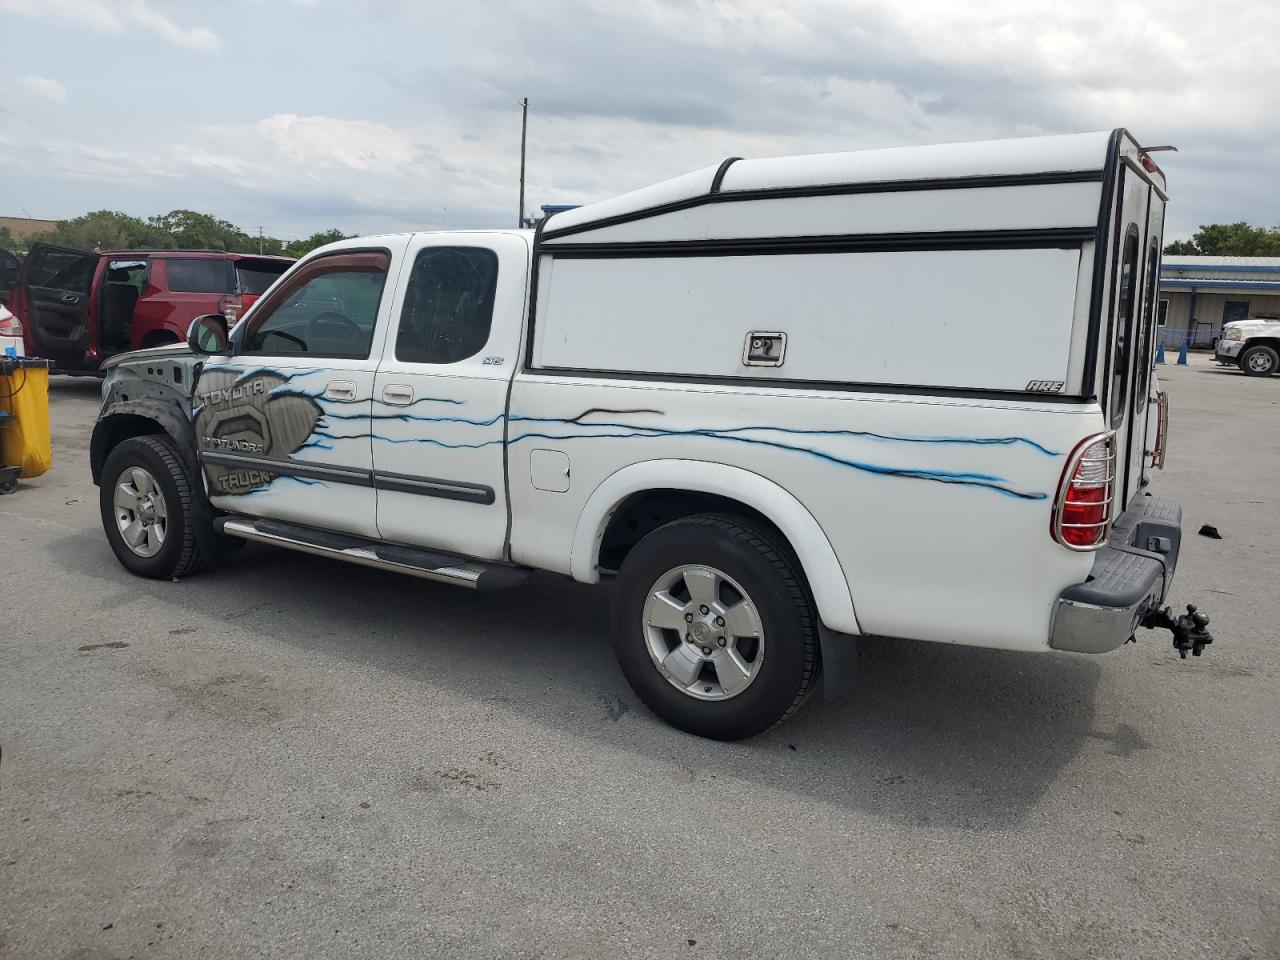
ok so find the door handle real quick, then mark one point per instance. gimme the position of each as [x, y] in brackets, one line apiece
[340, 390]
[70, 298]
[397, 394]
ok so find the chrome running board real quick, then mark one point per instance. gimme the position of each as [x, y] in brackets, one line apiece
[426, 564]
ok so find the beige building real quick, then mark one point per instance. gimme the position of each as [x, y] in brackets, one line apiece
[22, 227]
[1199, 294]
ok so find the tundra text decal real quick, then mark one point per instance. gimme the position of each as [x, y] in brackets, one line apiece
[250, 414]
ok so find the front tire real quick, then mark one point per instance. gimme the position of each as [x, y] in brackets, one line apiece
[714, 626]
[1260, 361]
[148, 511]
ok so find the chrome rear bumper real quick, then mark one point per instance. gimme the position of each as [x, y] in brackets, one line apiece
[1131, 576]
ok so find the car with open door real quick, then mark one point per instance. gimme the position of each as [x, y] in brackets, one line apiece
[78, 308]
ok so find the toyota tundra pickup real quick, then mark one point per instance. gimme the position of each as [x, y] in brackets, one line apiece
[689, 390]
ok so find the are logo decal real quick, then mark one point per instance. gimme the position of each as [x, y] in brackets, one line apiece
[1045, 386]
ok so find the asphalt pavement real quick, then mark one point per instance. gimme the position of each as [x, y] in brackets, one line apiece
[293, 757]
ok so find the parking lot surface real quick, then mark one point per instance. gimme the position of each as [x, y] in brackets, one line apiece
[292, 757]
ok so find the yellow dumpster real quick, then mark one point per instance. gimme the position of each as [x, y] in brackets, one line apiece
[25, 442]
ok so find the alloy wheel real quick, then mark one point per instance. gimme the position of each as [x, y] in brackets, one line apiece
[703, 632]
[140, 510]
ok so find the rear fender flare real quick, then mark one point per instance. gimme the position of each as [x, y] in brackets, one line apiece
[817, 558]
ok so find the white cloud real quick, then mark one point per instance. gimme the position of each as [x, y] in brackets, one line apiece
[201, 39]
[314, 143]
[114, 17]
[43, 87]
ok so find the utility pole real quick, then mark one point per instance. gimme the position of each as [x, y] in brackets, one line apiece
[259, 240]
[524, 131]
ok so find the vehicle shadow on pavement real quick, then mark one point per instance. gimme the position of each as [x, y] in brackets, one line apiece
[74, 386]
[932, 735]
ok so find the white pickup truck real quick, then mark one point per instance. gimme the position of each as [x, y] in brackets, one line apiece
[1253, 345]
[762, 397]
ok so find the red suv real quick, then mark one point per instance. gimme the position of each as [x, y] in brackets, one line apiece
[77, 308]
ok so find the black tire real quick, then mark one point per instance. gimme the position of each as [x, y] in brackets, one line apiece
[765, 566]
[1266, 358]
[180, 554]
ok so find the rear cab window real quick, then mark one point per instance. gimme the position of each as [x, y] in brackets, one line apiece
[448, 306]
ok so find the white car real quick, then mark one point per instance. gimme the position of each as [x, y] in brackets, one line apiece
[689, 389]
[10, 334]
[1253, 345]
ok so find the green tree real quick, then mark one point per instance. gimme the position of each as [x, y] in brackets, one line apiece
[107, 229]
[7, 240]
[298, 248]
[189, 230]
[1229, 240]
[175, 230]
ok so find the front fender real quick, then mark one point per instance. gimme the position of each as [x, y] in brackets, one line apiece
[817, 558]
[122, 419]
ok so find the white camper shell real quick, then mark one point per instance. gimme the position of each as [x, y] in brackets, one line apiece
[890, 268]
[785, 402]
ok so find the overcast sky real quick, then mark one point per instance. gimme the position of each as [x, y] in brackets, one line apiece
[372, 115]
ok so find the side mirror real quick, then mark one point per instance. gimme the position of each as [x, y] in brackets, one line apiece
[208, 334]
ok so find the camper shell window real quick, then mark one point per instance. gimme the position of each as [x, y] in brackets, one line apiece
[1129, 278]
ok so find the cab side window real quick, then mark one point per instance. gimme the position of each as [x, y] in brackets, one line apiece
[327, 308]
[448, 305]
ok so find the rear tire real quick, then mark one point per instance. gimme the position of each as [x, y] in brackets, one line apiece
[691, 683]
[148, 509]
[1260, 361]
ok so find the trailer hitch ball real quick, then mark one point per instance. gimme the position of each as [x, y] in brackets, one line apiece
[1188, 629]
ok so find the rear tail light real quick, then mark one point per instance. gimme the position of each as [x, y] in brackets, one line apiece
[1162, 430]
[10, 326]
[230, 308]
[1082, 510]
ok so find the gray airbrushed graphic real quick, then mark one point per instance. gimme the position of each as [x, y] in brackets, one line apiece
[244, 414]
